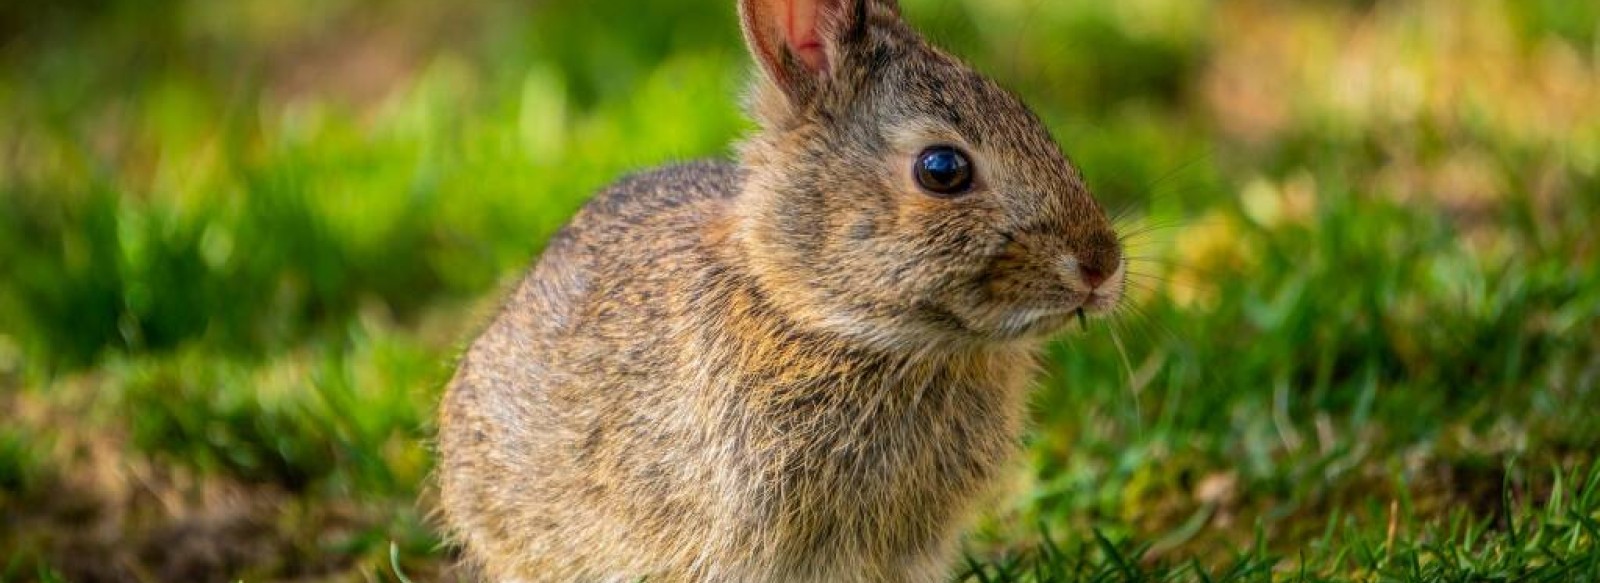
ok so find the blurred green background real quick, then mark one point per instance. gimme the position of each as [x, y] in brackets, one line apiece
[242, 241]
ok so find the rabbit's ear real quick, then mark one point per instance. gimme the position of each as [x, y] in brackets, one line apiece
[797, 41]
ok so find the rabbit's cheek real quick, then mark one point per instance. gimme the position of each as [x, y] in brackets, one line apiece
[1022, 279]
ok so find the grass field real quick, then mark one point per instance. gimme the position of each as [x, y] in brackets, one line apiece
[241, 243]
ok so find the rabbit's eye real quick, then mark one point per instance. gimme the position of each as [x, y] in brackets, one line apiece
[944, 171]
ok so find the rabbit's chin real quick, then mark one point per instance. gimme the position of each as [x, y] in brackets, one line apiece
[1040, 323]
[1032, 324]
[1020, 324]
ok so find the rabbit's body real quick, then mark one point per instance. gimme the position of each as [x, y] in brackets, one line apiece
[721, 431]
[806, 367]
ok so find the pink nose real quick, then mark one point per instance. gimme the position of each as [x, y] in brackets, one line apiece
[1092, 276]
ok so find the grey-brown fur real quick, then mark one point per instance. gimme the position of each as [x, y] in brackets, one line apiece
[797, 368]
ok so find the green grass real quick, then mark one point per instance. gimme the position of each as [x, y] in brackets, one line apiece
[242, 242]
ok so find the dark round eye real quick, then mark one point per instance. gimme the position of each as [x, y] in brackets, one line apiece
[944, 171]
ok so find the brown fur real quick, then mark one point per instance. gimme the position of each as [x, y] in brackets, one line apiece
[799, 368]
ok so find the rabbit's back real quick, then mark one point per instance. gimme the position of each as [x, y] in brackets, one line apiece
[641, 226]
[529, 454]
[641, 219]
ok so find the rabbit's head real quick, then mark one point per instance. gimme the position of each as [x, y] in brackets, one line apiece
[896, 196]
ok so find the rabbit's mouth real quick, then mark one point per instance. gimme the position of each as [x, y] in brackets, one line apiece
[1096, 302]
[1102, 296]
[1100, 301]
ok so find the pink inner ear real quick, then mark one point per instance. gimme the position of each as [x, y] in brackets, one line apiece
[801, 23]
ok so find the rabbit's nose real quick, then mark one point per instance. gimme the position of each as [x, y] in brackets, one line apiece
[1092, 276]
[1098, 266]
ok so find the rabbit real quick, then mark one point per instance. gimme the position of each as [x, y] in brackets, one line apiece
[807, 365]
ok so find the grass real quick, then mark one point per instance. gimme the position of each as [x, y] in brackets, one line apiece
[241, 243]
[1551, 542]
